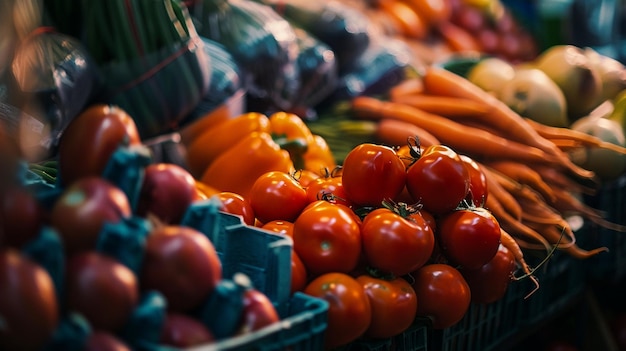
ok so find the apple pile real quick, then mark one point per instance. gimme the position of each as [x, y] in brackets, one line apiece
[104, 252]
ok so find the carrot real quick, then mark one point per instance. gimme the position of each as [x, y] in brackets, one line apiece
[566, 202]
[557, 179]
[512, 245]
[439, 81]
[563, 133]
[409, 86]
[571, 248]
[463, 139]
[508, 202]
[394, 132]
[525, 175]
[512, 225]
[566, 145]
[518, 190]
[443, 105]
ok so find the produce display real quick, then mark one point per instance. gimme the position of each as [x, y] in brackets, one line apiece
[333, 175]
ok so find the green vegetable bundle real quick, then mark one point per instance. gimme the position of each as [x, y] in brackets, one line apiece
[151, 59]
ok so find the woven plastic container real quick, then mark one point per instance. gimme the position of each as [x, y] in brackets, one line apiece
[486, 326]
[417, 337]
[609, 266]
[300, 329]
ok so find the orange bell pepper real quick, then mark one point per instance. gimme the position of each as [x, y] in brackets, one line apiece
[237, 168]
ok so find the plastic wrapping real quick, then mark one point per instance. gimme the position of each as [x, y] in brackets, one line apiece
[56, 78]
[263, 44]
[343, 28]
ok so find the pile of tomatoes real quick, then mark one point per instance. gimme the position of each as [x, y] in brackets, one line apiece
[391, 235]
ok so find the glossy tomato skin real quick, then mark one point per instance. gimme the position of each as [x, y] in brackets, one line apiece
[469, 237]
[166, 192]
[182, 264]
[442, 294]
[181, 330]
[234, 203]
[92, 137]
[21, 216]
[438, 180]
[349, 310]
[28, 303]
[299, 275]
[277, 195]
[372, 173]
[478, 190]
[327, 237]
[101, 289]
[328, 188]
[100, 340]
[394, 244]
[83, 208]
[490, 282]
[279, 227]
[393, 303]
[258, 311]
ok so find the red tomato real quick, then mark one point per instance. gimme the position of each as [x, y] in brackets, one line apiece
[469, 237]
[21, 216]
[280, 227]
[180, 330]
[28, 303]
[393, 303]
[82, 210]
[258, 311]
[305, 177]
[372, 173]
[299, 277]
[166, 192]
[182, 264]
[234, 203]
[101, 289]
[442, 294]
[478, 190]
[349, 309]
[490, 282]
[100, 340]
[277, 195]
[327, 237]
[327, 188]
[394, 244]
[438, 180]
[92, 137]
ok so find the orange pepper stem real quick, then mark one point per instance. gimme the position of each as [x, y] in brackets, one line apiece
[296, 147]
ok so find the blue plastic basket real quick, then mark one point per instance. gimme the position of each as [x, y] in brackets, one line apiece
[301, 328]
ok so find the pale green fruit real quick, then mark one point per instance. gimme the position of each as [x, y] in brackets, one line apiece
[491, 73]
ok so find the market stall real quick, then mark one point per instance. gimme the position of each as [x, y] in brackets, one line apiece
[411, 175]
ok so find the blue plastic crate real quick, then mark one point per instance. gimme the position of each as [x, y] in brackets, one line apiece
[263, 256]
[486, 326]
[611, 265]
[301, 328]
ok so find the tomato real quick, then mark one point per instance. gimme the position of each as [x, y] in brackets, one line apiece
[21, 216]
[180, 330]
[305, 177]
[469, 237]
[91, 138]
[299, 277]
[349, 309]
[329, 189]
[83, 208]
[234, 203]
[277, 195]
[182, 264]
[442, 294]
[490, 282]
[166, 192]
[28, 303]
[101, 289]
[438, 180]
[478, 190]
[395, 244]
[372, 173]
[327, 237]
[280, 227]
[258, 311]
[100, 340]
[393, 303]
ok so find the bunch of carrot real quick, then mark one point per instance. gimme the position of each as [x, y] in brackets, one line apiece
[533, 184]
